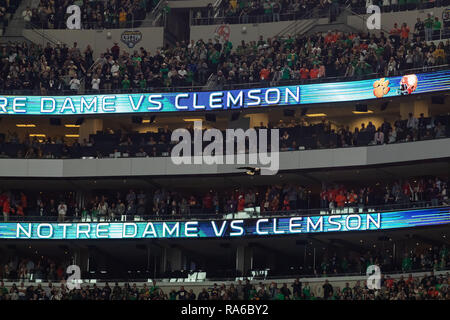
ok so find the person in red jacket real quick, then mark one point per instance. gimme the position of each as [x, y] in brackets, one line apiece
[6, 209]
[241, 203]
[286, 206]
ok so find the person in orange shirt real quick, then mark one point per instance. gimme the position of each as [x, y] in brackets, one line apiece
[394, 34]
[330, 37]
[314, 72]
[264, 74]
[389, 282]
[340, 199]
[352, 198]
[122, 18]
[304, 72]
[404, 33]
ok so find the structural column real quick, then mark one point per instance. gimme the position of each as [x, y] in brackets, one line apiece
[244, 260]
[172, 259]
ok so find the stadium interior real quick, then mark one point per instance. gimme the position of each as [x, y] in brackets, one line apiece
[368, 138]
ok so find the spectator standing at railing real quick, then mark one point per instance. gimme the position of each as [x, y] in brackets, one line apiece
[386, 5]
[394, 34]
[428, 23]
[404, 32]
[436, 29]
[276, 9]
[27, 14]
[5, 207]
[62, 210]
[419, 29]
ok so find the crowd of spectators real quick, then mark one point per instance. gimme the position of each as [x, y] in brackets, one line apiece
[327, 264]
[287, 198]
[268, 61]
[359, 6]
[43, 268]
[434, 191]
[413, 259]
[97, 14]
[46, 69]
[427, 287]
[221, 64]
[294, 135]
[260, 11]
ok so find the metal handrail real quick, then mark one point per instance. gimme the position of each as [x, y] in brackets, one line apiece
[367, 209]
[288, 16]
[235, 86]
[91, 25]
[353, 13]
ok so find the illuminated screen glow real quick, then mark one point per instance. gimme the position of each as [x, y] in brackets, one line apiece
[227, 228]
[231, 99]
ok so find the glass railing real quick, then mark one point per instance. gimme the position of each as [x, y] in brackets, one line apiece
[249, 213]
[195, 87]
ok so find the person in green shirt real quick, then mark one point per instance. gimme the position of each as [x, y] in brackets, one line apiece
[267, 11]
[443, 252]
[428, 23]
[307, 291]
[172, 295]
[379, 51]
[164, 70]
[214, 58]
[285, 73]
[288, 42]
[291, 58]
[406, 263]
[362, 68]
[154, 290]
[252, 293]
[142, 82]
[278, 295]
[227, 47]
[436, 29]
[126, 83]
[344, 265]
[84, 214]
[3, 289]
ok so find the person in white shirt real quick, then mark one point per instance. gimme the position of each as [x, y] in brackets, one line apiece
[392, 136]
[379, 137]
[74, 84]
[412, 122]
[182, 72]
[96, 83]
[26, 15]
[115, 69]
[62, 210]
